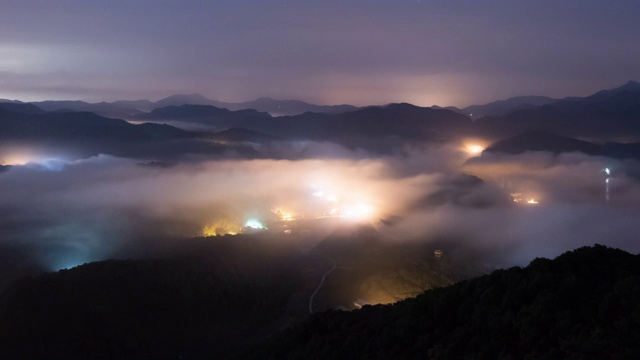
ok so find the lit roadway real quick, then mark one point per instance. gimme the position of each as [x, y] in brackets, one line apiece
[320, 285]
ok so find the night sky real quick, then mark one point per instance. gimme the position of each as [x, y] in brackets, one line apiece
[330, 51]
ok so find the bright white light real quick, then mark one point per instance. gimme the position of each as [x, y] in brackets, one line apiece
[607, 171]
[254, 224]
[475, 149]
[360, 211]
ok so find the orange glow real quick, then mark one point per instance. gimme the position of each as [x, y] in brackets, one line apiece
[359, 212]
[16, 160]
[474, 146]
[220, 228]
[474, 149]
[520, 199]
[283, 215]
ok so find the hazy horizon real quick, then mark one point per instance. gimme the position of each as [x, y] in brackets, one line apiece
[304, 100]
[361, 53]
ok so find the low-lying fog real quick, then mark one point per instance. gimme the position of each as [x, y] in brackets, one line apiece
[102, 207]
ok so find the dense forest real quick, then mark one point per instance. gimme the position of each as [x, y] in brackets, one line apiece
[583, 304]
[195, 305]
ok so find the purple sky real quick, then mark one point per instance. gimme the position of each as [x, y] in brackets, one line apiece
[324, 51]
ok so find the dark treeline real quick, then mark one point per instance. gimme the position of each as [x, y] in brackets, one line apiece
[583, 304]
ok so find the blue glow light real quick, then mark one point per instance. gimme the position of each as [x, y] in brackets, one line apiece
[254, 224]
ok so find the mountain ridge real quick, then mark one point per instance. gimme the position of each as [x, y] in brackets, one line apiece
[582, 304]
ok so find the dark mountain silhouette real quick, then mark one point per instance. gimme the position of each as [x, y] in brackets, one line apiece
[451, 108]
[263, 104]
[102, 108]
[129, 108]
[141, 105]
[622, 151]
[243, 135]
[11, 101]
[393, 121]
[212, 296]
[89, 134]
[204, 114]
[202, 304]
[583, 304]
[378, 129]
[80, 126]
[608, 114]
[619, 101]
[183, 99]
[544, 141]
[288, 107]
[630, 86]
[504, 107]
[403, 120]
[22, 108]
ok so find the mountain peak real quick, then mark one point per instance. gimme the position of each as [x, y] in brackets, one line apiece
[186, 96]
[182, 99]
[631, 85]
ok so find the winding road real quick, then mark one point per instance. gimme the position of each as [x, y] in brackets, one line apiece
[320, 285]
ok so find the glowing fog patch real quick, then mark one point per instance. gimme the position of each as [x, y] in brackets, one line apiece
[359, 212]
[32, 159]
[69, 263]
[16, 160]
[475, 149]
[218, 230]
[68, 256]
[254, 224]
[48, 164]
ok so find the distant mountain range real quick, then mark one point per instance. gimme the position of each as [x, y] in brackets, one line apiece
[502, 108]
[263, 104]
[128, 109]
[607, 116]
[507, 106]
[395, 120]
[557, 144]
[82, 134]
[217, 118]
[604, 115]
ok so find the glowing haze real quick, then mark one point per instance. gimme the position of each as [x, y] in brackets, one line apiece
[104, 207]
[362, 52]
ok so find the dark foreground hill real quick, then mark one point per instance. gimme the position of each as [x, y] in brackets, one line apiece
[583, 304]
[198, 305]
